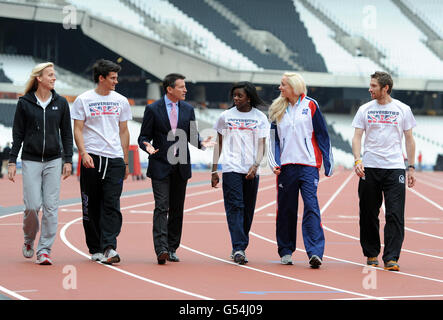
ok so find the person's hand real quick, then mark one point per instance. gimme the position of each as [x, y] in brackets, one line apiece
[252, 172]
[276, 170]
[411, 177]
[87, 160]
[215, 179]
[207, 143]
[12, 169]
[67, 170]
[126, 172]
[149, 148]
[359, 169]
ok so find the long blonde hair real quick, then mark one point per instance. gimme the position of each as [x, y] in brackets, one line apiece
[32, 83]
[279, 105]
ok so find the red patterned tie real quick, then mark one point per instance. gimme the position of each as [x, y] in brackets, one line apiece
[173, 117]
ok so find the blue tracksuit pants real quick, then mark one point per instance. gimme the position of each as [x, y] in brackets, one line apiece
[240, 196]
[292, 179]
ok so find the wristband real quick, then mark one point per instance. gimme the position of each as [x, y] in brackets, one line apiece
[11, 164]
[357, 162]
[214, 172]
[411, 166]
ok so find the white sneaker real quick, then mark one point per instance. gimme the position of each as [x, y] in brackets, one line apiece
[232, 256]
[286, 259]
[97, 257]
[239, 257]
[111, 256]
[28, 251]
[43, 259]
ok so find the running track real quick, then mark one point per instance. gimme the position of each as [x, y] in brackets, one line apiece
[205, 271]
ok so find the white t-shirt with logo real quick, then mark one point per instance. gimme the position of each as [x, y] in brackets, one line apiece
[241, 132]
[384, 127]
[102, 115]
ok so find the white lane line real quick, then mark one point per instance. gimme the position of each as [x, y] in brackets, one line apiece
[402, 297]
[358, 239]
[430, 177]
[430, 184]
[322, 210]
[280, 275]
[352, 262]
[136, 276]
[383, 207]
[424, 233]
[404, 250]
[426, 199]
[273, 202]
[12, 293]
[220, 201]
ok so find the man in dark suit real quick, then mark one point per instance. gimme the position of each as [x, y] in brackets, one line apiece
[168, 125]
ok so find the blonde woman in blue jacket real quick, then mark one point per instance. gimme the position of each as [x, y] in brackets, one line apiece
[299, 144]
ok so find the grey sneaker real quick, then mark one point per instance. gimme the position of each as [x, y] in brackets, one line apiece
[28, 251]
[111, 256]
[286, 259]
[315, 262]
[44, 259]
[232, 256]
[239, 257]
[98, 257]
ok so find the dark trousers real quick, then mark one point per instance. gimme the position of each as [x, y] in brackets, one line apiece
[101, 188]
[169, 196]
[377, 183]
[239, 196]
[292, 180]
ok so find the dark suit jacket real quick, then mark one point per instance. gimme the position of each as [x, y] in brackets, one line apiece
[155, 129]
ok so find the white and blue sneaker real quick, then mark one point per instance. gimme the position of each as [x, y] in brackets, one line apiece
[232, 256]
[286, 259]
[98, 256]
[111, 256]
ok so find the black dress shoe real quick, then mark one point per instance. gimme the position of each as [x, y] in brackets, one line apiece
[162, 256]
[173, 257]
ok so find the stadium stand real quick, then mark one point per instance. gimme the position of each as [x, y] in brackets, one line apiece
[263, 14]
[426, 140]
[227, 32]
[337, 59]
[430, 11]
[433, 35]
[18, 67]
[7, 111]
[389, 34]
[180, 29]
[3, 77]
[148, 18]
[215, 31]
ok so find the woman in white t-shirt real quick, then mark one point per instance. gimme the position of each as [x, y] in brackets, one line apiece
[242, 132]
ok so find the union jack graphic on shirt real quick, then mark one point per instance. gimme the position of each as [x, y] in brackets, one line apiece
[102, 109]
[241, 124]
[383, 118]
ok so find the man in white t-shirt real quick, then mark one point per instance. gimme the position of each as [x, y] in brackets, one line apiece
[384, 121]
[102, 138]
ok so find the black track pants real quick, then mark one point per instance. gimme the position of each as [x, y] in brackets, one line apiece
[379, 183]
